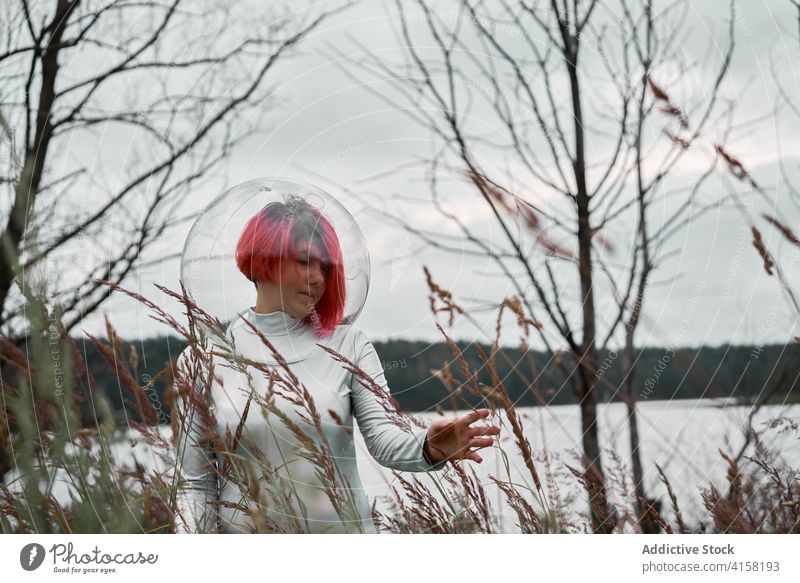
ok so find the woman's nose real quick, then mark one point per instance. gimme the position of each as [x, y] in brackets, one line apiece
[315, 275]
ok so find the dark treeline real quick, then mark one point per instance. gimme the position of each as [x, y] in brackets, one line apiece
[742, 372]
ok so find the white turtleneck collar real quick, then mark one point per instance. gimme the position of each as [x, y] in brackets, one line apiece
[276, 323]
[290, 336]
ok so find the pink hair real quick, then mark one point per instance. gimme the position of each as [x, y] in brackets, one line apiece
[274, 234]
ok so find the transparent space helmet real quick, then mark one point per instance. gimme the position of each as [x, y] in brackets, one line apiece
[209, 269]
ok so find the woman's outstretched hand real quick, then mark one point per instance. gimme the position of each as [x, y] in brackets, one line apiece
[455, 439]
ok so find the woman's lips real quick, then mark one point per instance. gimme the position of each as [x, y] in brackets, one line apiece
[307, 295]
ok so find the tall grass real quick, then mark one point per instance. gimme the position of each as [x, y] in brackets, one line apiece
[51, 441]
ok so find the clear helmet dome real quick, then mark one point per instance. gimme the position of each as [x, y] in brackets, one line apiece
[264, 218]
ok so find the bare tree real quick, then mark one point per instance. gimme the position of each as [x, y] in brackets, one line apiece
[576, 136]
[112, 111]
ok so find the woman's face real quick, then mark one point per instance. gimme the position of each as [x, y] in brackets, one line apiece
[301, 283]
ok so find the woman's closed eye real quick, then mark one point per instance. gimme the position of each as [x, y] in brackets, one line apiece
[325, 266]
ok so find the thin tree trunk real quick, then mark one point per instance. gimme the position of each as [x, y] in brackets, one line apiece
[35, 155]
[601, 516]
[646, 522]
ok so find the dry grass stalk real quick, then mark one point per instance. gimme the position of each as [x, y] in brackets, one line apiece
[736, 167]
[786, 231]
[758, 243]
[673, 501]
[518, 208]
[668, 107]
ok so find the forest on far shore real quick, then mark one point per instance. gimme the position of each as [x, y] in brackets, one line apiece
[744, 373]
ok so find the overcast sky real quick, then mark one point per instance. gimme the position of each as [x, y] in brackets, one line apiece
[328, 129]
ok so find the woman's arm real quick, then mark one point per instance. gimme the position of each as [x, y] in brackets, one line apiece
[392, 446]
[195, 466]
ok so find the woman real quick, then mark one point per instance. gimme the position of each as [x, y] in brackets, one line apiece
[291, 253]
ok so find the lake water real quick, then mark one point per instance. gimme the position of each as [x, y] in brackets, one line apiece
[683, 437]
